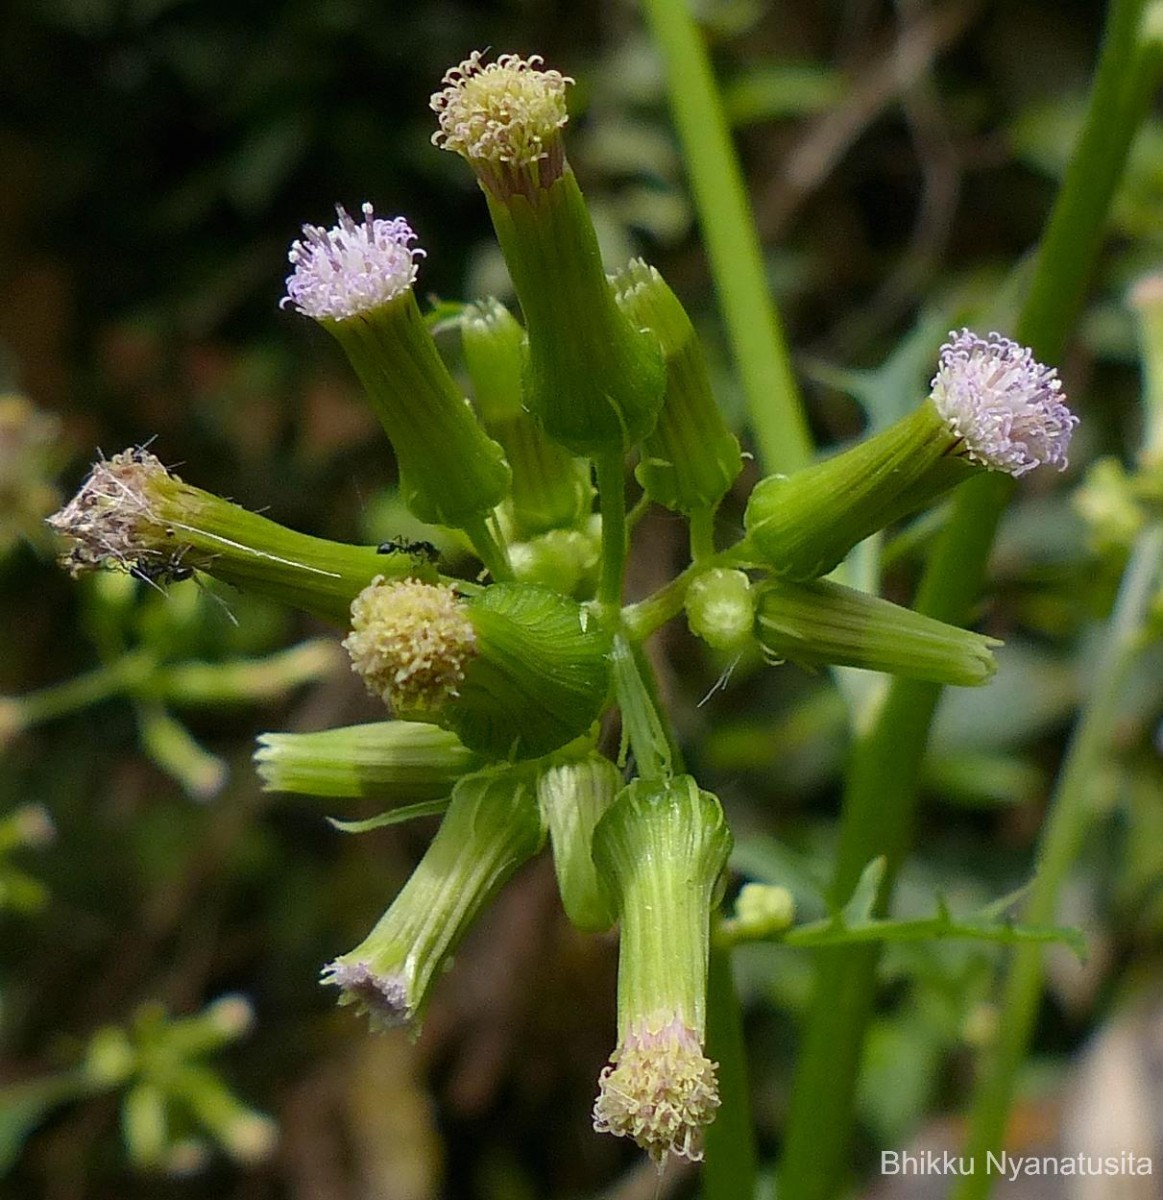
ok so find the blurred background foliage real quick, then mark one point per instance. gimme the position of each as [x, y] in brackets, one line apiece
[156, 159]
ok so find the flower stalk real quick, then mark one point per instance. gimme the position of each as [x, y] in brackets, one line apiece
[134, 515]
[661, 849]
[491, 827]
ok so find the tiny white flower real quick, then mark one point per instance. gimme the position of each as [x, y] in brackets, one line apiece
[1004, 405]
[351, 268]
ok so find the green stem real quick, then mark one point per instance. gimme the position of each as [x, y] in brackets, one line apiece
[881, 788]
[1068, 819]
[729, 1144]
[736, 258]
[612, 497]
[117, 678]
[702, 524]
[489, 550]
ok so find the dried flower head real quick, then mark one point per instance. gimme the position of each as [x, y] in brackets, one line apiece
[505, 112]
[410, 642]
[1003, 404]
[350, 268]
[112, 521]
[660, 1090]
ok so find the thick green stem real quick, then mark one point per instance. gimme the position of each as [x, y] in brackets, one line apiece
[736, 258]
[881, 792]
[1069, 818]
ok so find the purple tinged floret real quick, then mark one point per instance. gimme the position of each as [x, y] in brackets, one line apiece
[351, 268]
[1005, 406]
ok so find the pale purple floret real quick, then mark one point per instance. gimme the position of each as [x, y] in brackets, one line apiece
[351, 268]
[1004, 405]
[383, 997]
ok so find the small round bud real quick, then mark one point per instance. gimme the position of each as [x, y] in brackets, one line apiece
[410, 642]
[720, 609]
[762, 909]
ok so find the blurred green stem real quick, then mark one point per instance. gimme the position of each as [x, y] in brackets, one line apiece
[736, 258]
[881, 792]
[114, 679]
[1068, 819]
[730, 1173]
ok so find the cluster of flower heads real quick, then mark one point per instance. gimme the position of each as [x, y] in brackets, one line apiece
[351, 268]
[1002, 403]
[528, 667]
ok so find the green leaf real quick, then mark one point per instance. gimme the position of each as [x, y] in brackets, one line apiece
[394, 816]
[858, 910]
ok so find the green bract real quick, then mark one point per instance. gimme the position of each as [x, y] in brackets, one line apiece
[690, 459]
[540, 676]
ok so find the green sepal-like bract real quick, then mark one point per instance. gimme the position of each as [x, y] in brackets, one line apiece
[690, 459]
[574, 796]
[551, 489]
[595, 380]
[540, 675]
[135, 515]
[660, 851]
[820, 623]
[451, 471]
[387, 760]
[804, 524]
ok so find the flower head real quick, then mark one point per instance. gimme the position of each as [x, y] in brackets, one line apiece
[351, 269]
[410, 642]
[1002, 403]
[508, 111]
[383, 997]
[112, 520]
[660, 1090]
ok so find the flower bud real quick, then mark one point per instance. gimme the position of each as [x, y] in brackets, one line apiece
[551, 488]
[691, 458]
[356, 281]
[566, 560]
[387, 760]
[134, 515]
[761, 910]
[573, 797]
[516, 671]
[992, 407]
[491, 827]
[819, 623]
[660, 850]
[594, 379]
[720, 609]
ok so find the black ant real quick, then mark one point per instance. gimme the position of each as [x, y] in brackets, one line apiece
[400, 545]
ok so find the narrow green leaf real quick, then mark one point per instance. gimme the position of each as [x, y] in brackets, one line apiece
[394, 816]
